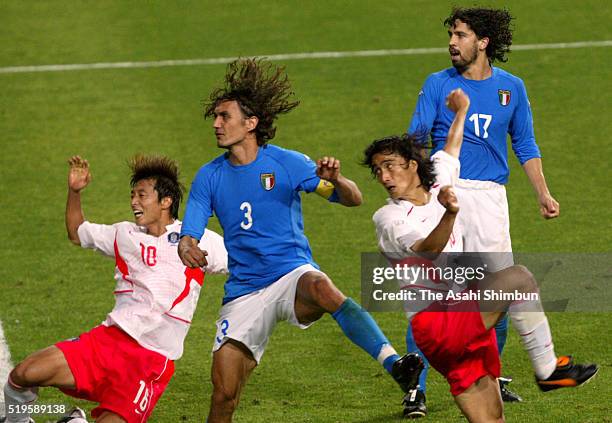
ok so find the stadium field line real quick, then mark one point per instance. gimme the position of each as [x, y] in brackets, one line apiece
[289, 56]
[5, 363]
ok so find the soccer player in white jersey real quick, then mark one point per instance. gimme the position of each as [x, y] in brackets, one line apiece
[420, 221]
[126, 362]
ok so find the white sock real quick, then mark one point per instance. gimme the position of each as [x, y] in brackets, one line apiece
[14, 397]
[532, 325]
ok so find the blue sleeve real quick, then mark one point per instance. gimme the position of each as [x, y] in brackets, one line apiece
[426, 110]
[199, 206]
[521, 128]
[303, 171]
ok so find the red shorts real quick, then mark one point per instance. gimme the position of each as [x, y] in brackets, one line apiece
[457, 345]
[111, 368]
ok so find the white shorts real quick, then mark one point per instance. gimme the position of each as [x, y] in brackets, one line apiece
[485, 221]
[250, 319]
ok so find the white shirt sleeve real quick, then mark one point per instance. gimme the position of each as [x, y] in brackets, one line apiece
[395, 231]
[99, 237]
[212, 243]
[447, 168]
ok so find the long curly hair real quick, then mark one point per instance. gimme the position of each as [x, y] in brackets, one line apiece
[408, 147]
[494, 24]
[260, 88]
[165, 171]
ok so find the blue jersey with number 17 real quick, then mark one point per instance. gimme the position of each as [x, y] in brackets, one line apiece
[498, 106]
[259, 208]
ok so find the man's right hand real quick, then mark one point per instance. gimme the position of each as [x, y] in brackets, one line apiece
[190, 253]
[79, 175]
[448, 199]
[458, 100]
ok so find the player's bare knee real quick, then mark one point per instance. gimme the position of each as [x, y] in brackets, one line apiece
[224, 399]
[22, 374]
[525, 279]
[324, 291]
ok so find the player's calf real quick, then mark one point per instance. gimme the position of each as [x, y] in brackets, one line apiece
[232, 366]
[15, 397]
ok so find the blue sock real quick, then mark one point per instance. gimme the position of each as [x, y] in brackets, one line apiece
[362, 330]
[501, 332]
[411, 346]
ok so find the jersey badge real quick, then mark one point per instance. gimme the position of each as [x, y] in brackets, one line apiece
[267, 180]
[173, 237]
[504, 97]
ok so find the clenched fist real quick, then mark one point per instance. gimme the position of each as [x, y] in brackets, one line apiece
[448, 199]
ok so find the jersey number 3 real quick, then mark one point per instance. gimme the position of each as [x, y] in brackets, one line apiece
[246, 207]
[475, 119]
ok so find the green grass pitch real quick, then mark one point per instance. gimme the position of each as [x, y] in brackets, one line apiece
[50, 290]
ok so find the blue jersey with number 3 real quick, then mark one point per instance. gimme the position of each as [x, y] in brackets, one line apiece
[260, 210]
[498, 106]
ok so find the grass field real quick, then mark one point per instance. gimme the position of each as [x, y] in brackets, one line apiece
[51, 290]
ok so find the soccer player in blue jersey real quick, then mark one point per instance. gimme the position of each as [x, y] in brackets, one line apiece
[254, 190]
[499, 107]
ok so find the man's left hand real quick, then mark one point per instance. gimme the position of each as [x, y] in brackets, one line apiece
[549, 207]
[328, 168]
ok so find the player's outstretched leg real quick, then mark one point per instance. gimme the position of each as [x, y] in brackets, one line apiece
[316, 294]
[532, 325]
[47, 367]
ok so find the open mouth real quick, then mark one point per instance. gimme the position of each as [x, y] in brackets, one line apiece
[138, 213]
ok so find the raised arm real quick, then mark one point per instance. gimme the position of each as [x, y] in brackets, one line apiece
[458, 102]
[349, 195]
[78, 178]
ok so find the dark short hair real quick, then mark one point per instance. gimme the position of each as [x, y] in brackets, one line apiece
[494, 24]
[260, 88]
[165, 172]
[407, 147]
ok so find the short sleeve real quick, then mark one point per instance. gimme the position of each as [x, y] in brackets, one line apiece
[98, 237]
[213, 244]
[395, 231]
[199, 205]
[447, 168]
[303, 172]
